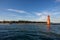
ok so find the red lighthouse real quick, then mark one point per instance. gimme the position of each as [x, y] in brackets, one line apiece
[48, 20]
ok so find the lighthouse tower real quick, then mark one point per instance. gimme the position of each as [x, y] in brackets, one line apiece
[48, 20]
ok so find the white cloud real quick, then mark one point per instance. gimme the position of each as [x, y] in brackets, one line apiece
[55, 20]
[45, 13]
[19, 11]
[38, 14]
[57, 0]
[43, 18]
[42, 15]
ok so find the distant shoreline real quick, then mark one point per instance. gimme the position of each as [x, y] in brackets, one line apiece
[19, 22]
[29, 23]
[26, 22]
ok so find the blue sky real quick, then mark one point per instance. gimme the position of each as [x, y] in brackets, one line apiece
[32, 10]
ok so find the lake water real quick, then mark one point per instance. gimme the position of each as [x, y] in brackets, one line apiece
[29, 32]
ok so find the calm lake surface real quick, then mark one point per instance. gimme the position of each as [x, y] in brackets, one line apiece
[29, 32]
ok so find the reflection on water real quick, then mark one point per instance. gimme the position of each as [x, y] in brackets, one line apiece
[29, 32]
[48, 28]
